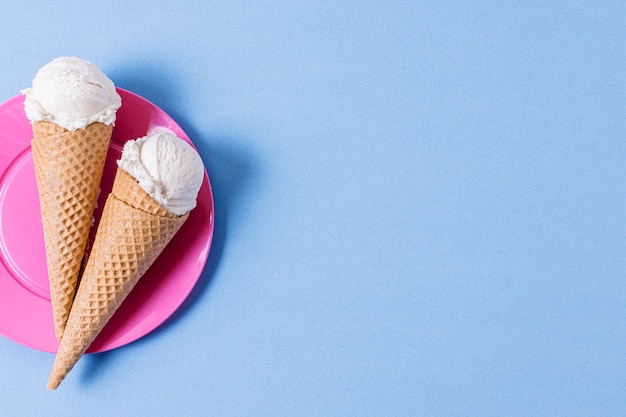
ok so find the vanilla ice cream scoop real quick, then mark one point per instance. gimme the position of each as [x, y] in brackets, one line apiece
[166, 167]
[72, 93]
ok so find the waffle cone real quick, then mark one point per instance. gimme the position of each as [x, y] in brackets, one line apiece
[133, 231]
[68, 170]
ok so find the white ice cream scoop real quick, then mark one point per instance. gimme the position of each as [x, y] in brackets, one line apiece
[166, 167]
[72, 93]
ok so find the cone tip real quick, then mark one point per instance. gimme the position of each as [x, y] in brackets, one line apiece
[52, 385]
[56, 377]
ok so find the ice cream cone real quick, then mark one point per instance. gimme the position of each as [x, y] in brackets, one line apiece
[68, 169]
[133, 231]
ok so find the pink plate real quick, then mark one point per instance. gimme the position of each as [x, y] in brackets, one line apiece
[25, 310]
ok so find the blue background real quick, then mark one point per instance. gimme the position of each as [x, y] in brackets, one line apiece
[420, 207]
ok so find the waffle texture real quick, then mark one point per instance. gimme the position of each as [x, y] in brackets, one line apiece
[133, 231]
[68, 170]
